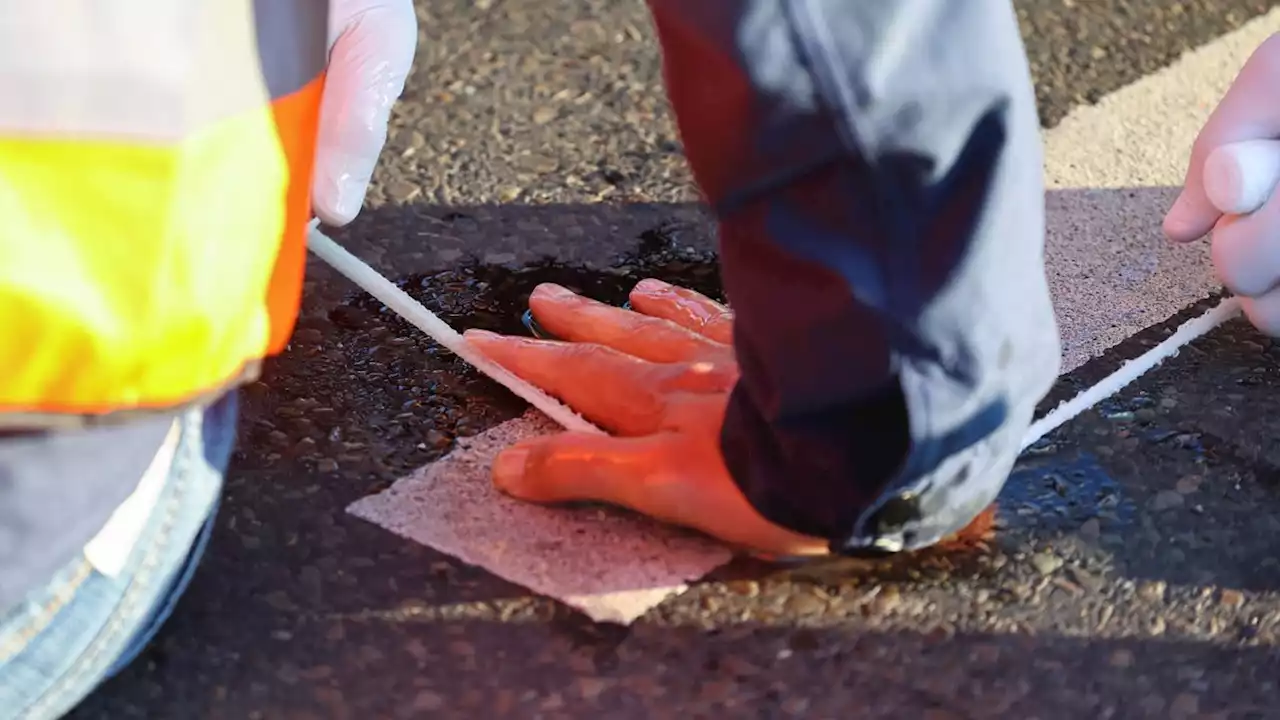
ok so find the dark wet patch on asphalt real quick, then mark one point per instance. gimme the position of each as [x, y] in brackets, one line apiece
[496, 297]
[1061, 494]
[1058, 488]
[406, 400]
[1045, 491]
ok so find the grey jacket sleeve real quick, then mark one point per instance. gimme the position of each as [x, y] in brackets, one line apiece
[876, 172]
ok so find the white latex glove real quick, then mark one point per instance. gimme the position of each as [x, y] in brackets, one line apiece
[1245, 248]
[371, 48]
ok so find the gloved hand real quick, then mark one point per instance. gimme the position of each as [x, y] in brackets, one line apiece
[1245, 249]
[659, 380]
[371, 49]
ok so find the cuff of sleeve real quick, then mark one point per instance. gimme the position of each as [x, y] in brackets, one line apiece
[816, 475]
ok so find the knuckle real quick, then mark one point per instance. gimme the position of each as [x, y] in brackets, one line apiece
[703, 376]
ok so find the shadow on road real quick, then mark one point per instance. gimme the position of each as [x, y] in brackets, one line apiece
[303, 611]
[373, 667]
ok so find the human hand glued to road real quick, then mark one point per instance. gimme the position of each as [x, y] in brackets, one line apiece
[658, 378]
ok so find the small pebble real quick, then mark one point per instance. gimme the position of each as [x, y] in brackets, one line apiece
[1122, 658]
[887, 600]
[1085, 579]
[1189, 484]
[1158, 625]
[428, 700]
[1231, 598]
[1153, 590]
[1090, 529]
[1152, 705]
[1166, 500]
[590, 688]
[1046, 563]
[1185, 705]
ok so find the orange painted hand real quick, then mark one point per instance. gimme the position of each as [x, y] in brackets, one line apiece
[658, 378]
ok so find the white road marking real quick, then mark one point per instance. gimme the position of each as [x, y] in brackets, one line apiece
[1112, 170]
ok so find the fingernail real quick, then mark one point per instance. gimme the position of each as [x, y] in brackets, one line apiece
[551, 291]
[480, 335]
[342, 183]
[350, 200]
[508, 468]
[652, 286]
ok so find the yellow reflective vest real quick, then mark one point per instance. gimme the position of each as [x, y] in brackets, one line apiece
[155, 172]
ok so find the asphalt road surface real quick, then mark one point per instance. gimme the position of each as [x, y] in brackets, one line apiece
[1136, 575]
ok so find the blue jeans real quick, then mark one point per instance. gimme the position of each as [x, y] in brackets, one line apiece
[83, 627]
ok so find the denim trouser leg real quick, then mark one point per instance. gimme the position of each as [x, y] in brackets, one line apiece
[83, 627]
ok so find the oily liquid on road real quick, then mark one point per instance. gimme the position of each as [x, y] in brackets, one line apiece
[421, 390]
[496, 298]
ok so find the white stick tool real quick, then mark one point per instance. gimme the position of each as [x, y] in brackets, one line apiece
[1131, 370]
[358, 272]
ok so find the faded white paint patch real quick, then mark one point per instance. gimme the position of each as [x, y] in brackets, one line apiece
[612, 566]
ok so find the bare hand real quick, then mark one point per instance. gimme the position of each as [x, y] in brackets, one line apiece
[658, 378]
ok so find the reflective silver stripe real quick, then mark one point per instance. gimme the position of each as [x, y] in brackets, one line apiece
[151, 69]
[293, 42]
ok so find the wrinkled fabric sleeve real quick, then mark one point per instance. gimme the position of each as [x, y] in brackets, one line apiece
[876, 174]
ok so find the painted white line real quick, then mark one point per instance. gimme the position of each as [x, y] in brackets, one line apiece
[1186, 333]
[1112, 170]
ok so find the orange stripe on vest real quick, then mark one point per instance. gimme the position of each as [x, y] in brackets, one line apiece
[297, 122]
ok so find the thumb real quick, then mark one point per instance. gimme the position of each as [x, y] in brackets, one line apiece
[373, 44]
[665, 477]
[570, 467]
[1192, 215]
[1247, 111]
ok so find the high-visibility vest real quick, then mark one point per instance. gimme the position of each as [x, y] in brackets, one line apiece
[155, 173]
